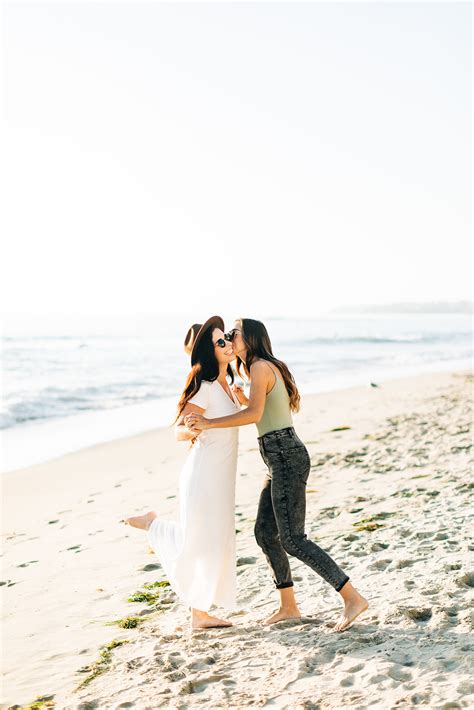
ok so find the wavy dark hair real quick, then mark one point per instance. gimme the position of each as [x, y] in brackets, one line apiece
[259, 347]
[205, 368]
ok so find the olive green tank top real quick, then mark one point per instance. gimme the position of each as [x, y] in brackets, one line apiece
[277, 414]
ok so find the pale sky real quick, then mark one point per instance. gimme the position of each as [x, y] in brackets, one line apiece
[269, 159]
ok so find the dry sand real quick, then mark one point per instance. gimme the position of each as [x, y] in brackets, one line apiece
[389, 498]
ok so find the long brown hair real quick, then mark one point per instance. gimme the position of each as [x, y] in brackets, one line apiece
[205, 368]
[257, 342]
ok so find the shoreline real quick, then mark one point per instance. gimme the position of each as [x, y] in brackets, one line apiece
[79, 432]
[378, 496]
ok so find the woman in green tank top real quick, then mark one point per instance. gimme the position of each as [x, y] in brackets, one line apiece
[280, 522]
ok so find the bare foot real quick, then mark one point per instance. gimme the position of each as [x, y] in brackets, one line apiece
[352, 609]
[202, 620]
[142, 522]
[282, 615]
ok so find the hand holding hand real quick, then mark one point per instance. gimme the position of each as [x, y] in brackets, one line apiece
[195, 422]
[240, 394]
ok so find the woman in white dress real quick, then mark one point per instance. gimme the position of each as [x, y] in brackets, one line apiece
[198, 552]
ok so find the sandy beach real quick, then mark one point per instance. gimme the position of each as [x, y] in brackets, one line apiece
[388, 497]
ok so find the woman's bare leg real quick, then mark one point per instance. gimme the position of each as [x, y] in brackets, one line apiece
[203, 620]
[288, 607]
[142, 522]
[354, 604]
[199, 619]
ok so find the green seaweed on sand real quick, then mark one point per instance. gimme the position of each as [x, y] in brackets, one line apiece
[128, 622]
[371, 524]
[368, 527]
[378, 516]
[154, 585]
[141, 596]
[102, 664]
[340, 428]
[150, 594]
[402, 493]
[41, 703]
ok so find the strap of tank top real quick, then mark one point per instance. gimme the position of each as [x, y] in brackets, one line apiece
[274, 375]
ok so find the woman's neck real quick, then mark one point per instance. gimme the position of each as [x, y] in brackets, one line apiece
[222, 372]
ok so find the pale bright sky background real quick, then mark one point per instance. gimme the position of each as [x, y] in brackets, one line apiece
[277, 159]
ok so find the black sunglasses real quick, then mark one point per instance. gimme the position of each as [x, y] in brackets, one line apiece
[231, 334]
[221, 342]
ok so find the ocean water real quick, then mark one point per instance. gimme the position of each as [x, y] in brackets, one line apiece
[62, 392]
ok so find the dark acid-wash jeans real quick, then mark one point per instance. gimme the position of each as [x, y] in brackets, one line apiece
[279, 527]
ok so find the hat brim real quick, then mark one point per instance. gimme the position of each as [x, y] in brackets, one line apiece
[213, 322]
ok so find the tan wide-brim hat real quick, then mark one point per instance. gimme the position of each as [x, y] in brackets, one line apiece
[196, 332]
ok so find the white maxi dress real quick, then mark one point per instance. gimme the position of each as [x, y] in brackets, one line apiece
[198, 552]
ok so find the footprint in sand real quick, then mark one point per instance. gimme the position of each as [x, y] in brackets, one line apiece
[357, 668]
[134, 663]
[215, 678]
[401, 564]
[377, 546]
[431, 591]
[418, 613]
[174, 676]
[246, 561]
[466, 687]
[398, 673]
[200, 664]
[423, 534]
[401, 658]
[380, 564]
[26, 564]
[166, 638]
[467, 580]
[376, 679]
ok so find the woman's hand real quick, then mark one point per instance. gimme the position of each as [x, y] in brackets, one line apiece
[196, 422]
[240, 394]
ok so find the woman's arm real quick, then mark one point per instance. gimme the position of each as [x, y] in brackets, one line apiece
[181, 430]
[259, 374]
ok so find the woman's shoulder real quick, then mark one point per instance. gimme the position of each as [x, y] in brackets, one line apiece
[210, 389]
[206, 384]
[260, 365]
